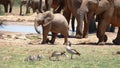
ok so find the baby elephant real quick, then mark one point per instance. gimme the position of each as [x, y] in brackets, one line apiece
[56, 23]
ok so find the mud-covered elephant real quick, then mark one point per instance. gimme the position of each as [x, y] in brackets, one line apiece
[6, 4]
[34, 4]
[73, 6]
[109, 16]
[56, 23]
[108, 10]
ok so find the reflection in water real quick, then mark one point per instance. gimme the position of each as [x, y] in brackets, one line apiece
[25, 29]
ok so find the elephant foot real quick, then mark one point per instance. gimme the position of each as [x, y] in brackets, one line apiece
[105, 38]
[86, 36]
[116, 41]
[22, 15]
[65, 43]
[45, 42]
[51, 42]
[102, 40]
[79, 36]
[101, 43]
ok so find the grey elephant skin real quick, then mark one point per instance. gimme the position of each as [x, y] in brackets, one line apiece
[34, 4]
[109, 16]
[57, 5]
[56, 23]
[108, 10]
[6, 4]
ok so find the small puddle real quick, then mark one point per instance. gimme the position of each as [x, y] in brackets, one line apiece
[19, 28]
[24, 29]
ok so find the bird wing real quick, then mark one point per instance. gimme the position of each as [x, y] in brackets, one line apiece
[75, 51]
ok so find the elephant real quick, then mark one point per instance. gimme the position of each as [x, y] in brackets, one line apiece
[24, 2]
[57, 5]
[110, 28]
[56, 23]
[110, 17]
[34, 4]
[5, 3]
[73, 6]
[108, 10]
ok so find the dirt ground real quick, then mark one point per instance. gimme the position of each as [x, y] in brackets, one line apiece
[16, 38]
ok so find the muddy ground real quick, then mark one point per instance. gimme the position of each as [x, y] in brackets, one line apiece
[18, 38]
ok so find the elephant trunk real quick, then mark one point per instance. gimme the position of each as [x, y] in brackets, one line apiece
[35, 26]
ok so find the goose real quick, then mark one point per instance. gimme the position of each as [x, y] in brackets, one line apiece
[71, 51]
[34, 57]
[30, 58]
[57, 54]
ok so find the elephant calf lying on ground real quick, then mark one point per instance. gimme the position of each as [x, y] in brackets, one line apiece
[56, 23]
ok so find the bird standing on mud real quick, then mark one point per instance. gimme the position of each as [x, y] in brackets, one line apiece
[71, 51]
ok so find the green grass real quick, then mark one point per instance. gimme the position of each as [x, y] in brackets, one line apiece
[91, 57]
[33, 37]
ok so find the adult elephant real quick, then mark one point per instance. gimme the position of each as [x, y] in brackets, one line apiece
[34, 4]
[6, 3]
[108, 10]
[110, 17]
[24, 2]
[73, 6]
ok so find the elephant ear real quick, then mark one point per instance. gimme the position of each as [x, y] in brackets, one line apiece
[48, 18]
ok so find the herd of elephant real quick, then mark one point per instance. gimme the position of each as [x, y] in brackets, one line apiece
[105, 12]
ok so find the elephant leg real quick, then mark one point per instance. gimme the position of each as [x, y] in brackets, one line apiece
[27, 8]
[101, 32]
[86, 25]
[45, 34]
[53, 38]
[72, 23]
[65, 34]
[79, 28]
[87, 22]
[20, 9]
[47, 5]
[10, 10]
[117, 40]
[40, 6]
[6, 8]
[67, 13]
[112, 28]
[92, 25]
[34, 10]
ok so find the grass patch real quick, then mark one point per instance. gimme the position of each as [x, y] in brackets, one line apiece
[91, 57]
[33, 37]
